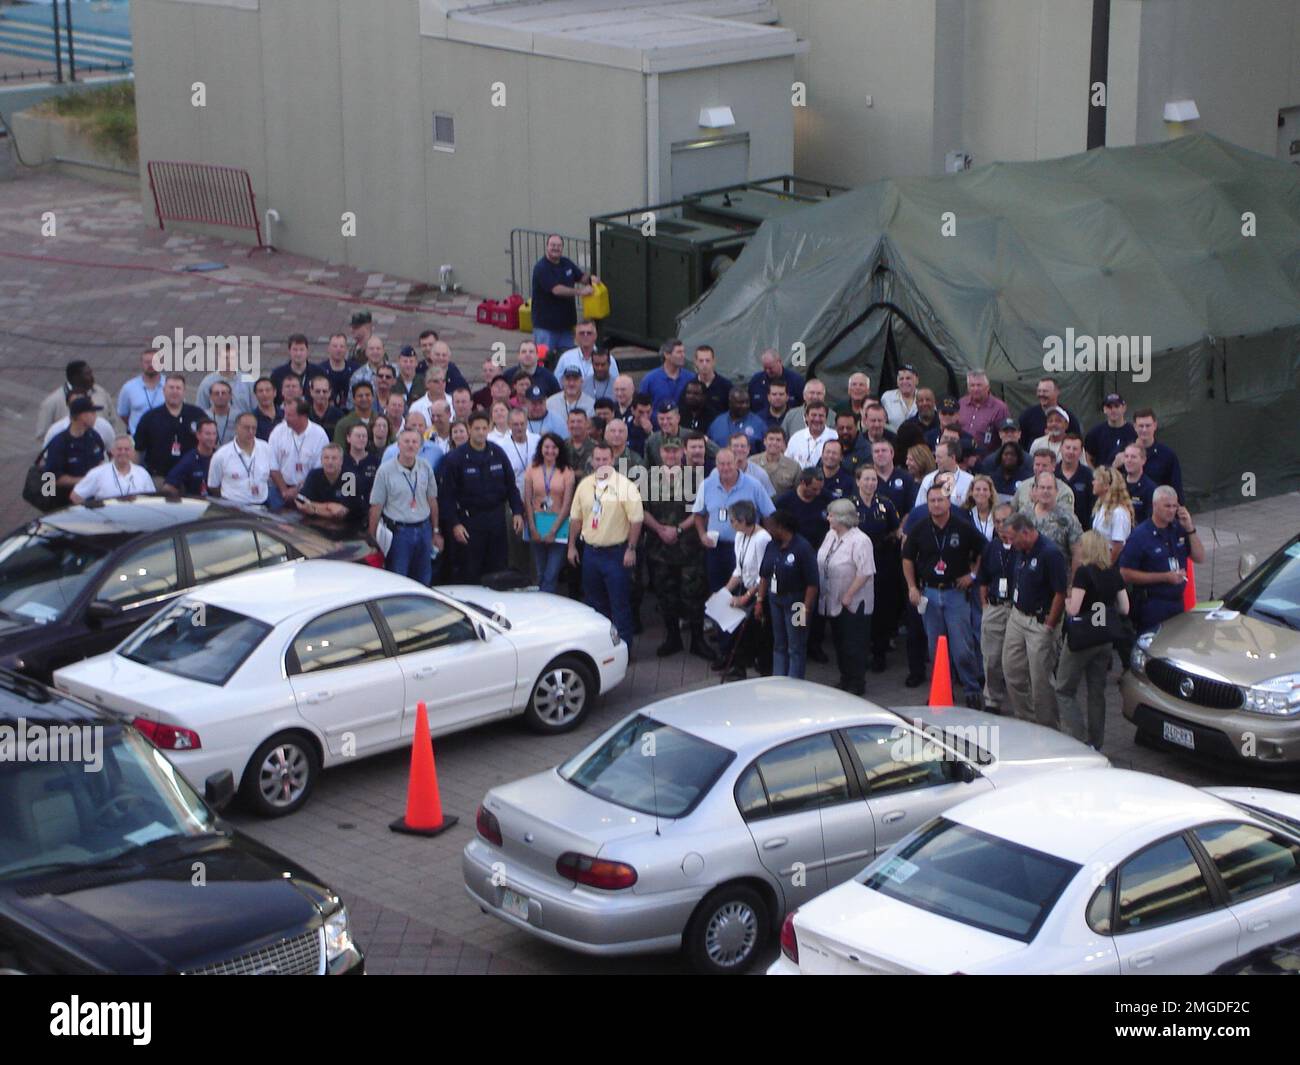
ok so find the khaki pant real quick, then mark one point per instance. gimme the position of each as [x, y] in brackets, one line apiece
[993, 631]
[1028, 661]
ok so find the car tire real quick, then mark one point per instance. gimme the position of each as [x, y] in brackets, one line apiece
[561, 696]
[293, 757]
[728, 930]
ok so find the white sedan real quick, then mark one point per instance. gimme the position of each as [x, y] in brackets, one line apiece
[277, 674]
[1104, 871]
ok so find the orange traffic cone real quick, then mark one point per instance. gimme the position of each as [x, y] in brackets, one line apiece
[1189, 589]
[941, 678]
[423, 807]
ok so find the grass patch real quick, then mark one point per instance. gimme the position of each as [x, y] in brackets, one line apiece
[106, 115]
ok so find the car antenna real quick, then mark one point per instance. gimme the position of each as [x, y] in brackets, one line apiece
[654, 782]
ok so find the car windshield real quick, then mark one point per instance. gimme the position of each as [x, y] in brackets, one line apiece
[974, 878]
[197, 641]
[99, 793]
[1272, 592]
[42, 572]
[649, 767]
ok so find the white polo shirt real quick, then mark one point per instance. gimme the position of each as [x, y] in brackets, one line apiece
[960, 486]
[296, 454]
[106, 481]
[242, 479]
[806, 449]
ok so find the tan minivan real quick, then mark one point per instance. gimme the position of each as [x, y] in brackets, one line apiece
[1226, 682]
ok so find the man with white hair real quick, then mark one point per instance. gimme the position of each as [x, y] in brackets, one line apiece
[814, 391]
[1154, 559]
[980, 412]
[859, 389]
[116, 478]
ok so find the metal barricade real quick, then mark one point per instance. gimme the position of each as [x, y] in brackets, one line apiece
[529, 245]
[204, 193]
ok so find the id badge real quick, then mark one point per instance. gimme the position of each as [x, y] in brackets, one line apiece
[413, 504]
[941, 567]
[595, 521]
[176, 447]
[297, 466]
[722, 515]
[1002, 587]
[256, 490]
[1173, 564]
[772, 589]
[1015, 595]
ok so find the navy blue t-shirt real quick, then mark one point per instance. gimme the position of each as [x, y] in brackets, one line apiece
[810, 518]
[558, 313]
[190, 475]
[1040, 574]
[1103, 443]
[794, 567]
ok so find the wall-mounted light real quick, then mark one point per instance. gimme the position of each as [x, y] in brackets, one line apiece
[716, 117]
[1176, 113]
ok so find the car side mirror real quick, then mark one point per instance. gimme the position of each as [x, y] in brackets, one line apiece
[102, 611]
[219, 789]
[964, 772]
[485, 632]
[1245, 564]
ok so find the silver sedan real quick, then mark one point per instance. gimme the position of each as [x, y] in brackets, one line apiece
[701, 820]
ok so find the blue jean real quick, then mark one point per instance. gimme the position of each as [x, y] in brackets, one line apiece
[411, 552]
[789, 641]
[949, 614]
[719, 564]
[607, 586]
[557, 341]
[549, 560]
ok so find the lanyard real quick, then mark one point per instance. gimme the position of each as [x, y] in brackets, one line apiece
[547, 475]
[523, 462]
[826, 566]
[412, 483]
[120, 490]
[248, 466]
[221, 432]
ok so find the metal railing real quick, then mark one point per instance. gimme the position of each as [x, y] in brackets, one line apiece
[204, 193]
[529, 245]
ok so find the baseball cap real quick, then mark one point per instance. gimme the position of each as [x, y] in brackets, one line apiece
[361, 318]
[536, 392]
[407, 350]
[1009, 423]
[909, 368]
[948, 405]
[81, 405]
[1113, 399]
[571, 371]
[1059, 410]
[671, 441]
[665, 406]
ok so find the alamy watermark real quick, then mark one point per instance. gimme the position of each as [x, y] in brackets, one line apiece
[29, 741]
[1076, 353]
[953, 743]
[194, 353]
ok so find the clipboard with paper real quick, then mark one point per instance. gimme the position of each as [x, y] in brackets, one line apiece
[723, 614]
[546, 522]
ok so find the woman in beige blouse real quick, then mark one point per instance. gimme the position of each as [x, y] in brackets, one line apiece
[548, 491]
[846, 565]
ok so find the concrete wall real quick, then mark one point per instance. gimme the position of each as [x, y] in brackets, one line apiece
[758, 94]
[1240, 62]
[879, 48]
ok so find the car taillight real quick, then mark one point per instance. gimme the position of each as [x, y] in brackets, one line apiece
[375, 558]
[595, 872]
[789, 941]
[168, 737]
[488, 826]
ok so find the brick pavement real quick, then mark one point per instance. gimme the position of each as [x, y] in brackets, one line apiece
[109, 281]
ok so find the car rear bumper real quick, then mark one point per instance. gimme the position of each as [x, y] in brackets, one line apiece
[783, 966]
[579, 919]
[1234, 735]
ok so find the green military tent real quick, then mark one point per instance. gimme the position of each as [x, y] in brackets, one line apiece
[1191, 246]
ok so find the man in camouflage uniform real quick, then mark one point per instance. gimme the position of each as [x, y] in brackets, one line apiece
[1058, 523]
[674, 551]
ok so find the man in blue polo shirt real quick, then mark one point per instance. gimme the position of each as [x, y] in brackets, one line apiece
[738, 419]
[1112, 436]
[1140, 487]
[712, 510]
[77, 450]
[665, 384]
[556, 281]
[1162, 464]
[1154, 559]
[773, 370]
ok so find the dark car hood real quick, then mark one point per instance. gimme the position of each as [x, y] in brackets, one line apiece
[154, 918]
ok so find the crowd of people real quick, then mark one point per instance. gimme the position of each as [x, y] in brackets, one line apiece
[887, 522]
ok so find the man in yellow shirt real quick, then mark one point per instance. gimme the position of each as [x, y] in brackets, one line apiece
[607, 514]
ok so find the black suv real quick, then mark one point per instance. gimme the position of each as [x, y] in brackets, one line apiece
[111, 863]
[76, 582]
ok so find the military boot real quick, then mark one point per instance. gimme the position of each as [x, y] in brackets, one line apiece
[700, 646]
[672, 639]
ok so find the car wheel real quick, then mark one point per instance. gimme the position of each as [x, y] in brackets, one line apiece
[561, 696]
[728, 930]
[281, 774]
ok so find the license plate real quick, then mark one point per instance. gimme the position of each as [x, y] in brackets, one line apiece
[514, 904]
[1184, 737]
